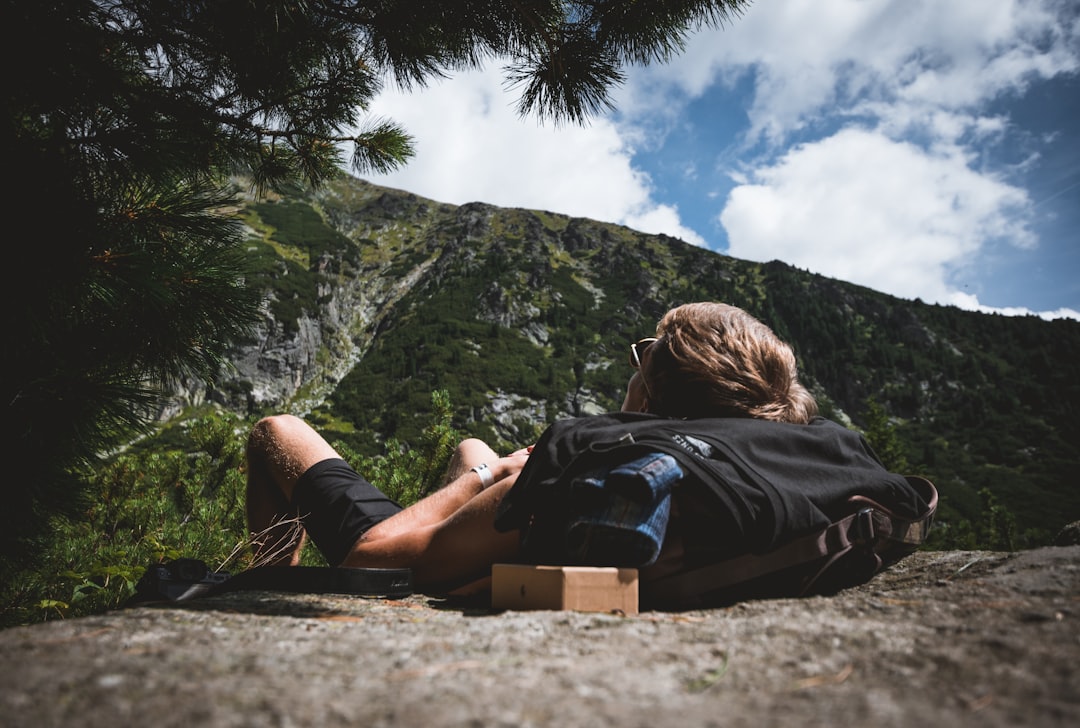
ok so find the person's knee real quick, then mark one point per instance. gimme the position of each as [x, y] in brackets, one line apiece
[470, 444]
[286, 446]
[469, 452]
[268, 433]
[473, 450]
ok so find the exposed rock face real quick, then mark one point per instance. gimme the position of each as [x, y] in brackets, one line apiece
[296, 369]
[1068, 536]
[958, 638]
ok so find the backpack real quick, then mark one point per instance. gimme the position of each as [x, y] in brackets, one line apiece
[717, 510]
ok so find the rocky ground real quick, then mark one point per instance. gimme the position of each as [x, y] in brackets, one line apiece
[948, 638]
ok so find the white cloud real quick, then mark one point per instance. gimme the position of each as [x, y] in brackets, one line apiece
[971, 303]
[472, 146]
[816, 58]
[867, 209]
[889, 97]
[868, 206]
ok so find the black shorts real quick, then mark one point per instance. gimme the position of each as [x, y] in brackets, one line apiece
[337, 506]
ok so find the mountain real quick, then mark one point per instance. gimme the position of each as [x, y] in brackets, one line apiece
[376, 297]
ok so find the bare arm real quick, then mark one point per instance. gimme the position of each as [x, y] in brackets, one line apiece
[449, 552]
[444, 503]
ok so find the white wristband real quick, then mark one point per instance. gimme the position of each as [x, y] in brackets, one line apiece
[486, 478]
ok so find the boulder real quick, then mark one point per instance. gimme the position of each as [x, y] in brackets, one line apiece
[942, 638]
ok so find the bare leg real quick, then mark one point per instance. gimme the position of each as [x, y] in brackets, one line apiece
[469, 453]
[273, 524]
[280, 449]
[445, 537]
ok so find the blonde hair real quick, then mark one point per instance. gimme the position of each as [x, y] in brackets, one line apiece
[716, 360]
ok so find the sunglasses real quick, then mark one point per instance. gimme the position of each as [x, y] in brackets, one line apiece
[638, 348]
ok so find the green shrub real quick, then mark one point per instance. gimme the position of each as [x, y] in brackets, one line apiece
[145, 506]
[405, 473]
[994, 529]
[182, 494]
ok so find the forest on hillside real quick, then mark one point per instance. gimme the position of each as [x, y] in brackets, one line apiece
[539, 308]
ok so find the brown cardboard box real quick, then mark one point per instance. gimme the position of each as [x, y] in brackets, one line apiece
[578, 588]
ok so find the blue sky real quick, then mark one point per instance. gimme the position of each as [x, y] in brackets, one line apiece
[924, 148]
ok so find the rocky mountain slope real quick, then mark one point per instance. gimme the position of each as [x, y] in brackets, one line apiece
[376, 297]
[957, 639]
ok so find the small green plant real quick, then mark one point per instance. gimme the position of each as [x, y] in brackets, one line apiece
[145, 506]
[406, 473]
[994, 529]
[882, 435]
[182, 494]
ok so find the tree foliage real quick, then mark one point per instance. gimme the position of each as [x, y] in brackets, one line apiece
[884, 439]
[125, 119]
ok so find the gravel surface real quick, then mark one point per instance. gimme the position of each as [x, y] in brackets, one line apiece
[945, 638]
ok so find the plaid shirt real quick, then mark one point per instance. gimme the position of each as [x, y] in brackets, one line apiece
[618, 516]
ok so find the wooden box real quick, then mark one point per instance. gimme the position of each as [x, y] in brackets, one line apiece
[577, 588]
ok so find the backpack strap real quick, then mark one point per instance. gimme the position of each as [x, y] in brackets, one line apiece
[184, 579]
[872, 528]
[369, 582]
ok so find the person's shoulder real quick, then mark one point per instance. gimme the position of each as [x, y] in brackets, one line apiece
[604, 419]
[825, 425]
[753, 427]
[596, 425]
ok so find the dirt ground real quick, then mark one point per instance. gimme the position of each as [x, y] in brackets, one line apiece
[947, 638]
